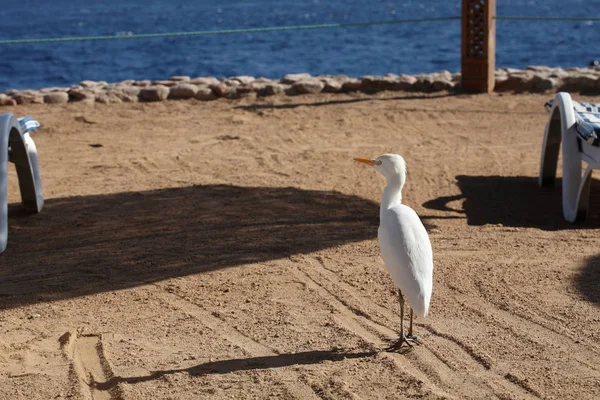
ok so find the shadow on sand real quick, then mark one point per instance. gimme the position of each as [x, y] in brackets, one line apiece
[587, 280]
[283, 106]
[259, 106]
[84, 245]
[513, 201]
[242, 364]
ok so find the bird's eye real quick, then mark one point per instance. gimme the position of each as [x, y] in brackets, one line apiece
[377, 162]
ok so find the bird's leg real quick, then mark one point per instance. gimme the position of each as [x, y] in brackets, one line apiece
[410, 335]
[403, 338]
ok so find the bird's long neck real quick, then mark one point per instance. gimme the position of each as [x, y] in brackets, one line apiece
[392, 194]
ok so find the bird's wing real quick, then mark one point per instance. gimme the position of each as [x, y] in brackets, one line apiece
[407, 254]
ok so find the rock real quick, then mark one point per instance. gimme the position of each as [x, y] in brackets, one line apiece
[54, 89]
[183, 91]
[352, 85]
[579, 83]
[220, 89]
[515, 82]
[424, 83]
[12, 92]
[108, 97]
[81, 95]
[374, 84]
[207, 81]
[243, 80]
[258, 87]
[92, 84]
[272, 89]
[143, 83]
[442, 84]
[179, 78]
[405, 82]
[307, 86]
[559, 73]
[127, 94]
[127, 82]
[538, 68]
[444, 75]
[112, 86]
[244, 89]
[223, 90]
[165, 82]
[5, 100]
[331, 85]
[543, 83]
[231, 82]
[28, 97]
[204, 93]
[511, 71]
[56, 98]
[343, 78]
[154, 93]
[293, 78]
[499, 79]
[588, 71]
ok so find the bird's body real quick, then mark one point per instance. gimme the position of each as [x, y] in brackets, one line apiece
[404, 243]
[407, 254]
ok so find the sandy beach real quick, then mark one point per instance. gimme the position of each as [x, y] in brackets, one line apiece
[228, 250]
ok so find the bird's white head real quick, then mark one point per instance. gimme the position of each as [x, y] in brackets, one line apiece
[392, 166]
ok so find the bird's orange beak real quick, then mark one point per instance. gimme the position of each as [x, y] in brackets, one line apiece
[367, 161]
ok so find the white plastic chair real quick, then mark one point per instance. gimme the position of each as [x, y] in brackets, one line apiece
[577, 125]
[17, 146]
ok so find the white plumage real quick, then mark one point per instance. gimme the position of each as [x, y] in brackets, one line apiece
[404, 243]
[407, 254]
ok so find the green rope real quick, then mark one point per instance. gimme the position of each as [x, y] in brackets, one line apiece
[225, 32]
[516, 18]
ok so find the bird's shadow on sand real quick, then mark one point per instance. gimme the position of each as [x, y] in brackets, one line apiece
[242, 364]
[83, 245]
[515, 201]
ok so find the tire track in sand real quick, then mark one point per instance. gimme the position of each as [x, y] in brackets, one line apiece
[437, 364]
[89, 367]
[355, 321]
[289, 379]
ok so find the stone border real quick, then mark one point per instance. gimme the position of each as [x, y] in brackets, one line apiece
[536, 79]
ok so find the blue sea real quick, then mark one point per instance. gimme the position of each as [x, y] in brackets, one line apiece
[355, 51]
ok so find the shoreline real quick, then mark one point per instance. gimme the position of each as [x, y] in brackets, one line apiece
[533, 79]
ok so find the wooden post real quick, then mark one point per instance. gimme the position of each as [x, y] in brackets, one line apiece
[478, 60]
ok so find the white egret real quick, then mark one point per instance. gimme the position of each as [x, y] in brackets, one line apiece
[404, 244]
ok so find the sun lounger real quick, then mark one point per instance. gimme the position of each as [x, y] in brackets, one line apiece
[17, 146]
[577, 126]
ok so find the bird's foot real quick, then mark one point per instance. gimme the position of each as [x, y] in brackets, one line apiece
[414, 338]
[401, 341]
